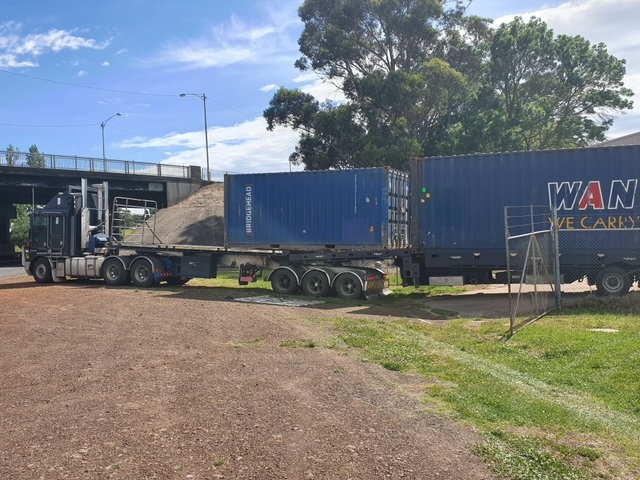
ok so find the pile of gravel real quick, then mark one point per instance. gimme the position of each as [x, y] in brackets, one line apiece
[196, 220]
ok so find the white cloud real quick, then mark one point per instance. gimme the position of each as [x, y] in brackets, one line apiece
[9, 60]
[241, 148]
[105, 64]
[323, 90]
[14, 44]
[196, 54]
[312, 84]
[272, 41]
[82, 73]
[55, 41]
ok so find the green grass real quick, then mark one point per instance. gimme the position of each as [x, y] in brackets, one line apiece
[558, 396]
[228, 278]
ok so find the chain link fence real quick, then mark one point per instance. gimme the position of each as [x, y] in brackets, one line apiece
[532, 269]
[555, 259]
[598, 253]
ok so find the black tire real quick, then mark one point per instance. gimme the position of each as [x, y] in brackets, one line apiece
[315, 284]
[142, 273]
[613, 282]
[348, 286]
[177, 280]
[114, 273]
[42, 271]
[284, 282]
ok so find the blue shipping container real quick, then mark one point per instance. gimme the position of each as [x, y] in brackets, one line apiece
[331, 209]
[458, 203]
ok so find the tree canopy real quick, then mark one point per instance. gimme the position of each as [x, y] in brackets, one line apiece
[20, 226]
[12, 156]
[35, 158]
[420, 77]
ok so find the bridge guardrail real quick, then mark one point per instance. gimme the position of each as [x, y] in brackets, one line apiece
[87, 164]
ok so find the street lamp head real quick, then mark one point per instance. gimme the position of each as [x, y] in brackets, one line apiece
[201, 96]
[118, 114]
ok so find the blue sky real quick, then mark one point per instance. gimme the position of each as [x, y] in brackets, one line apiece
[67, 66]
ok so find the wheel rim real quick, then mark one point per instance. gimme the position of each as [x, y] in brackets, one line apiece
[284, 282]
[113, 272]
[41, 270]
[316, 284]
[142, 273]
[613, 283]
[348, 286]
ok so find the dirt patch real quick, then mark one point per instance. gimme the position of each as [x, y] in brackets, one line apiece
[127, 383]
[198, 220]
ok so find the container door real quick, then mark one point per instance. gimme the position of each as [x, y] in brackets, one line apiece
[398, 198]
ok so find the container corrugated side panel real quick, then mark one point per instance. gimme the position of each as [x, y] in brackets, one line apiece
[458, 202]
[341, 209]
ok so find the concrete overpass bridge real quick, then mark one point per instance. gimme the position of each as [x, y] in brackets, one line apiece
[34, 178]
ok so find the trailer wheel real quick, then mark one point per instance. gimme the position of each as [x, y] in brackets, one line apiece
[284, 282]
[142, 273]
[114, 273]
[315, 283]
[348, 286]
[613, 281]
[177, 280]
[42, 271]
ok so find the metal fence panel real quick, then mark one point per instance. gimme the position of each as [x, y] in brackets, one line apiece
[531, 246]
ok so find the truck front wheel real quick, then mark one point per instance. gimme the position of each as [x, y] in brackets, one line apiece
[142, 273]
[613, 281]
[42, 271]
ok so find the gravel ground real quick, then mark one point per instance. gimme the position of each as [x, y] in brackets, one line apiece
[177, 383]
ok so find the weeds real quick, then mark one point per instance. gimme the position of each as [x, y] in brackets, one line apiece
[298, 343]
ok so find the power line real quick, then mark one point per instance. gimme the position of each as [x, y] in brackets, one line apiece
[88, 87]
[48, 126]
[125, 131]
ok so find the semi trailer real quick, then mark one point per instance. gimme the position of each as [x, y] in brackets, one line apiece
[458, 216]
[441, 223]
[323, 243]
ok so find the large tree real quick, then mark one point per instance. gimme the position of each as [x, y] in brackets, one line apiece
[541, 92]
[385, 57]
[420, 79]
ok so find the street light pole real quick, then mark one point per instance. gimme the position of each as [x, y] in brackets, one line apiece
[102, 125]
[203, 97]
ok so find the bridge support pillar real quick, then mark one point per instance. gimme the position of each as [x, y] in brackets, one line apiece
[177, 191]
